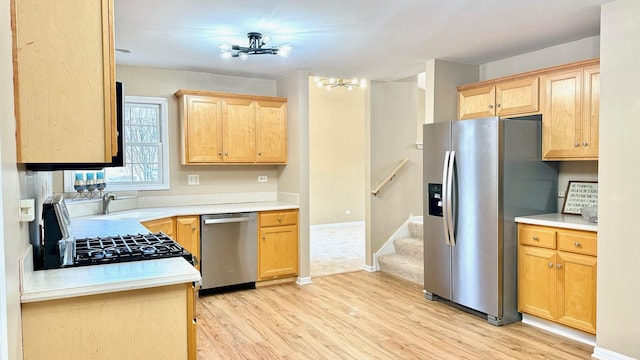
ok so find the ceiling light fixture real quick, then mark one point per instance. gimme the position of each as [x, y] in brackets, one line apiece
[330, 83]
[256, 47]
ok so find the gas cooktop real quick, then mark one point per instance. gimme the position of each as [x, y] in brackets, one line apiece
[122, 248]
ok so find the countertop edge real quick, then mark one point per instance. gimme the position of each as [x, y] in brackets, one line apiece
[45, 295]
[558, 220]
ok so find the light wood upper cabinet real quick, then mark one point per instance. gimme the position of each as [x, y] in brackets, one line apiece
[64, 81]
[505, 98]
[557, 271]
[570, 117]
[239, 130]
[221, 128]
[271, 125]
[277, 244]
[201, 129]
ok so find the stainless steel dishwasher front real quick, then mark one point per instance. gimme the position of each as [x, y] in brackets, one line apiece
[228, 252]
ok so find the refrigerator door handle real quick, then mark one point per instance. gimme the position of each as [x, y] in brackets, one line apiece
[445, 222]
[452, 238]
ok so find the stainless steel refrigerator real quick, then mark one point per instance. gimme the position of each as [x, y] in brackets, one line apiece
[478, 176]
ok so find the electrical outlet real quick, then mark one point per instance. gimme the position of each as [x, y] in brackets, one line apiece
[560, 193]
[193, 179]
[263, 178]
[347, 212]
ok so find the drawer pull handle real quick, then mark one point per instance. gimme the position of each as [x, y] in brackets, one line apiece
[535, 238]
[559, 266]
[279, 219]
[550, 265]
[577, 244]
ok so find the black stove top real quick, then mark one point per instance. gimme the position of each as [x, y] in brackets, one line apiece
[121, 248]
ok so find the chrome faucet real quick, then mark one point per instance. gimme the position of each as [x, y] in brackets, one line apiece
[106, 200]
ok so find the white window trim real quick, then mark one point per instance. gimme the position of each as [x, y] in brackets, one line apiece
[164, 154]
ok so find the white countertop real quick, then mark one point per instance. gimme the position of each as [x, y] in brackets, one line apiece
[566, 221]
[147, 214]
[99, 279]
[62, 283]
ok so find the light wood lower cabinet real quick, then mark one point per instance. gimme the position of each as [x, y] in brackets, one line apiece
[557, 275]
[138, 324]
[185, 230]
[277, 244]
[165, 225]
[188, 235]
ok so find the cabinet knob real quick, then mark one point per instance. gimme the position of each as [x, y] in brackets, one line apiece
[559, 266]
[219, 152]
[550, 265]
[577, 244]
[264, 238]
[497, 105]
[585, 143]
[259, 153]
[226, 153]
[193, 228]
[535, 238]
[490, 106]
[576, 144]
[279, 219]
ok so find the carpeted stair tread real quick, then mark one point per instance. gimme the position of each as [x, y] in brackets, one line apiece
[406, 267]
[410, 247]
[416, 229]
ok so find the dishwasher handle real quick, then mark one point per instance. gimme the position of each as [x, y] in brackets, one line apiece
[226, 220]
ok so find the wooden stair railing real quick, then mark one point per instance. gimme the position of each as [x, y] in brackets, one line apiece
[389, 177]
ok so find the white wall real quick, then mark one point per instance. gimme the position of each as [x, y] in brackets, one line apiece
[618, 317]
[582, 49]
[392, 127]
[336, 154]
[214, 179]
[294, 178]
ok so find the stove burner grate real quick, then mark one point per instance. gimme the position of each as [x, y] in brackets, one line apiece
[102, 250]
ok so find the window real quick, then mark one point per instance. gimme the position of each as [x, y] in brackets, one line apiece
[146, 148]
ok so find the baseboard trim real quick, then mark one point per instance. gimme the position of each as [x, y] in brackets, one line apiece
[559, 329]
[304, 280]
[604, 354]
[369, 268]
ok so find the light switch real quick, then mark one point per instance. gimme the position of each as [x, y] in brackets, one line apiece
[27, 210]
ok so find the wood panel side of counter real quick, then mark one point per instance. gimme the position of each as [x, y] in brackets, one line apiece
[138, 324]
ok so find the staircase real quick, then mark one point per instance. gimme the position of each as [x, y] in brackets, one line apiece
[407, 261]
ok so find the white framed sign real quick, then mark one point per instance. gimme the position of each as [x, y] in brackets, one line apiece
[580, 194]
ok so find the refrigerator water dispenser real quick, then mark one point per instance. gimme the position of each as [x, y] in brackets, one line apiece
[435, 199]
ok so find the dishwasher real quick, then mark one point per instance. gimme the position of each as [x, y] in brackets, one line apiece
[228, 252]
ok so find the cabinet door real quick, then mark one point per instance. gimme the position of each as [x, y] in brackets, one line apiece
[166, 225]
[576, 291]
[536, 281]
[562, 115]
[591, 112]
[271, 126]
[278, 252]
[188, 235]
[64, 81]
[477, 102]
[517, 97]
[202, 130]
[192, 335]
[239, 123]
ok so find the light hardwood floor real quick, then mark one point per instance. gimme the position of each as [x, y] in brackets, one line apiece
[361, 315]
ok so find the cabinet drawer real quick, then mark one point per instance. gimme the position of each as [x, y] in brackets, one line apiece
[277, 218]
[581, 242]
[537, 236]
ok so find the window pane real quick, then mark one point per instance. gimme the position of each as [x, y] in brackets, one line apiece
[142, 154]
[118, 174]
[145, 172]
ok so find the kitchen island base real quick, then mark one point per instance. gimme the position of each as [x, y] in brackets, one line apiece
[149, 323]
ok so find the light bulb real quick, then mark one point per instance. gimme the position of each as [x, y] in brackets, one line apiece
[363, 83]
[349, 87]
[243, 56]
[332, 81]
[225, 55]
[284, 50]
[354, 81]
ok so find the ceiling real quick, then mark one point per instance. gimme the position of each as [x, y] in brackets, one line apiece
[376, 39]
